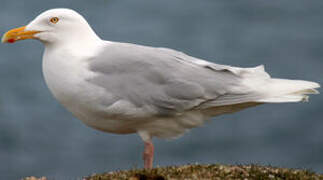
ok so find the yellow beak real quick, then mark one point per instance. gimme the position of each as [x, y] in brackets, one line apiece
[18, 34]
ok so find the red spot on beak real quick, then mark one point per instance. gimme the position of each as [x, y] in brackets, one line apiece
[11, 40]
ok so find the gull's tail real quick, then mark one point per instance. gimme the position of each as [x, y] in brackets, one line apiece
[284, 90]
[270, 90]
[258, 87]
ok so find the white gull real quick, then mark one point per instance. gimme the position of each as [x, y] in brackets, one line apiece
[126, 88]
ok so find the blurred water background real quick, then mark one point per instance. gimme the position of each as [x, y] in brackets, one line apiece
[39, 137]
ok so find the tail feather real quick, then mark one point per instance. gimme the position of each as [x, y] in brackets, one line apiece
[284, 90]
[256, 86]
[269, 91]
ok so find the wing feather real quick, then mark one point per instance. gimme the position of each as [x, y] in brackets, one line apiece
[166, 82]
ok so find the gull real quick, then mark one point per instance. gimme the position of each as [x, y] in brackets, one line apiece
[127, 88]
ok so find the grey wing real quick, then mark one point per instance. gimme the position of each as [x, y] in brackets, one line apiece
[160, 81]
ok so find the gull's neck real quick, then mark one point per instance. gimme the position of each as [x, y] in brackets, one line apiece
[82, 46]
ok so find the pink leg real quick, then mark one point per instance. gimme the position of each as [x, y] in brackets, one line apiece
[148, 155]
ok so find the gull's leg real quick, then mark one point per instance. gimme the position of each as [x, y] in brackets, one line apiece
[148, 154]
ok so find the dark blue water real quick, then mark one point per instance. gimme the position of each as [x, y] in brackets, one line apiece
[38, 137]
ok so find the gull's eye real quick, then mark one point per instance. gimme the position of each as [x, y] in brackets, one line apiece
[54, 20]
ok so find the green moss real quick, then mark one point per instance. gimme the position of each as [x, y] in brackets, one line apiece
[216, 172]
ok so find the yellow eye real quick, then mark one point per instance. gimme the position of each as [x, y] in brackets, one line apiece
[54, 20]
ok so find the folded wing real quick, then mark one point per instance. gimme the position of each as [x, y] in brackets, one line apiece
[165, 82]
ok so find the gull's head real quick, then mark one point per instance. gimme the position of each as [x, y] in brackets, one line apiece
[53, 26]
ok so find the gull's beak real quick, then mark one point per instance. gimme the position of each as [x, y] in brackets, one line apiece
[18, 34]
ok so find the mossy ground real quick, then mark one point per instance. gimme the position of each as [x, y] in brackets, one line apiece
[214, 172]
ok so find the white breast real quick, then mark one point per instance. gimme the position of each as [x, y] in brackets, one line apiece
[63, 73]
[66, 75]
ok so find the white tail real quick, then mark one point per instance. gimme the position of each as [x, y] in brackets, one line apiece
[284, 90]
[256, 86]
